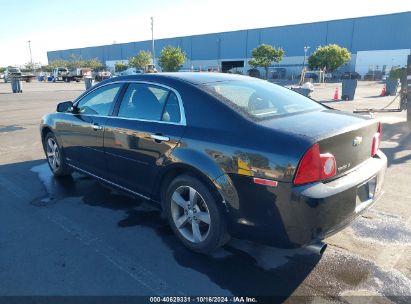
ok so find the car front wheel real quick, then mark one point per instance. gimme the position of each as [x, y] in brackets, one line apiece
[194, 215]
[55, 157]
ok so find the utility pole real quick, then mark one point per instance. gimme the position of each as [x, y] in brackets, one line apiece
[31, 57]
[152, 41]
[306, 48]
[219, 54]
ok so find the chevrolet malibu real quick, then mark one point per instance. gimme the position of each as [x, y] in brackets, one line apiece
[224, 155]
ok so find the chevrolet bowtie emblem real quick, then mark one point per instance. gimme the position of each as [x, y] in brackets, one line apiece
[357, 141]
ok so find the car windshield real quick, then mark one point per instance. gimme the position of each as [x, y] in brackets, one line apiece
[13, 70]
[261, 99]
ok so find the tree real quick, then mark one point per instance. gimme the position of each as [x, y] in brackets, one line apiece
[46, 68]
[171, 58]
[141, 60]
[120, 67]
[58, 63]
[93, 64]
[395, 72]
[264, 55]
[2, 69]
[76, 62]
[331, 57]
[30, 67]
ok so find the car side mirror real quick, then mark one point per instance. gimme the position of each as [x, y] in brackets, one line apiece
[66, 106]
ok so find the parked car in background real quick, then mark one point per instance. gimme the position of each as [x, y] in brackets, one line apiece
[333, 76]
[279, 73]
[351, 75]
[150, 69]
[385, 77]
[196, 143]
[66, 75]
[310, 75]
[102, 75]
[130, 71]
[235, 70]
[254, 73]
[16, 72]
[373, 75]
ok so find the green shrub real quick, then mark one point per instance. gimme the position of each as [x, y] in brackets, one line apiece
[395, 73]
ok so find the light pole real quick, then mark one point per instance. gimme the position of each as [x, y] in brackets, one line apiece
[31, 57]
[152, 41]
[219, 54]
[306, 48]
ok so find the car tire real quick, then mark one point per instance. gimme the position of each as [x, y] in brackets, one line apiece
[194, 215]
[55, 156]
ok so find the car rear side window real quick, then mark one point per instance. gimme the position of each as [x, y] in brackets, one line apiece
[149, 102]
[171, 111]
[260, 99]
[99, 101]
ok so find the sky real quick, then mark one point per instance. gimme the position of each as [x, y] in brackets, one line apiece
[58, 24]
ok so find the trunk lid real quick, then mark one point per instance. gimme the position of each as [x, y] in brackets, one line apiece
[347, 136]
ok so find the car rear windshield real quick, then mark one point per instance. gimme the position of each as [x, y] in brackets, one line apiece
[261, 99]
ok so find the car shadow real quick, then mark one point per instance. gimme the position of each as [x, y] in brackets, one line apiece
[10, 128]
[240, 267]
[396, 138]
[375, 96]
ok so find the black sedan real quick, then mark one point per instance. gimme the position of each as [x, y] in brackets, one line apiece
[224, 155]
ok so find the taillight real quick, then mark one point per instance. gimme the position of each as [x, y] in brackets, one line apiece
[315, 166]
[376, 140]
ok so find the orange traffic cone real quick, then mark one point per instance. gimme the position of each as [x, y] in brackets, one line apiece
[336, 95]
[384, 91]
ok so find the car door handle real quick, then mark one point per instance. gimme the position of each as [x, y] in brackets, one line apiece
[97, 127]
[158, 137]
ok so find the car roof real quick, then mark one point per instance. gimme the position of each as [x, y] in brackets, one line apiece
[195, 78]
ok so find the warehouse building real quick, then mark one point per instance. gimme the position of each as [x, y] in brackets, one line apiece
[376, 43]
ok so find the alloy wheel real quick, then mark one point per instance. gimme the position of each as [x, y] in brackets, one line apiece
[190, 214]
[53, 154]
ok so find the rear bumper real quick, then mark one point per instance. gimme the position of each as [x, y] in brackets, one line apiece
[289, 216]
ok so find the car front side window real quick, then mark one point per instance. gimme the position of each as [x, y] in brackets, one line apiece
[100, 101]
[149, 102]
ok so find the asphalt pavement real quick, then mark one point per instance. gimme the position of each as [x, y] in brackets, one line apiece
[76, 237]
